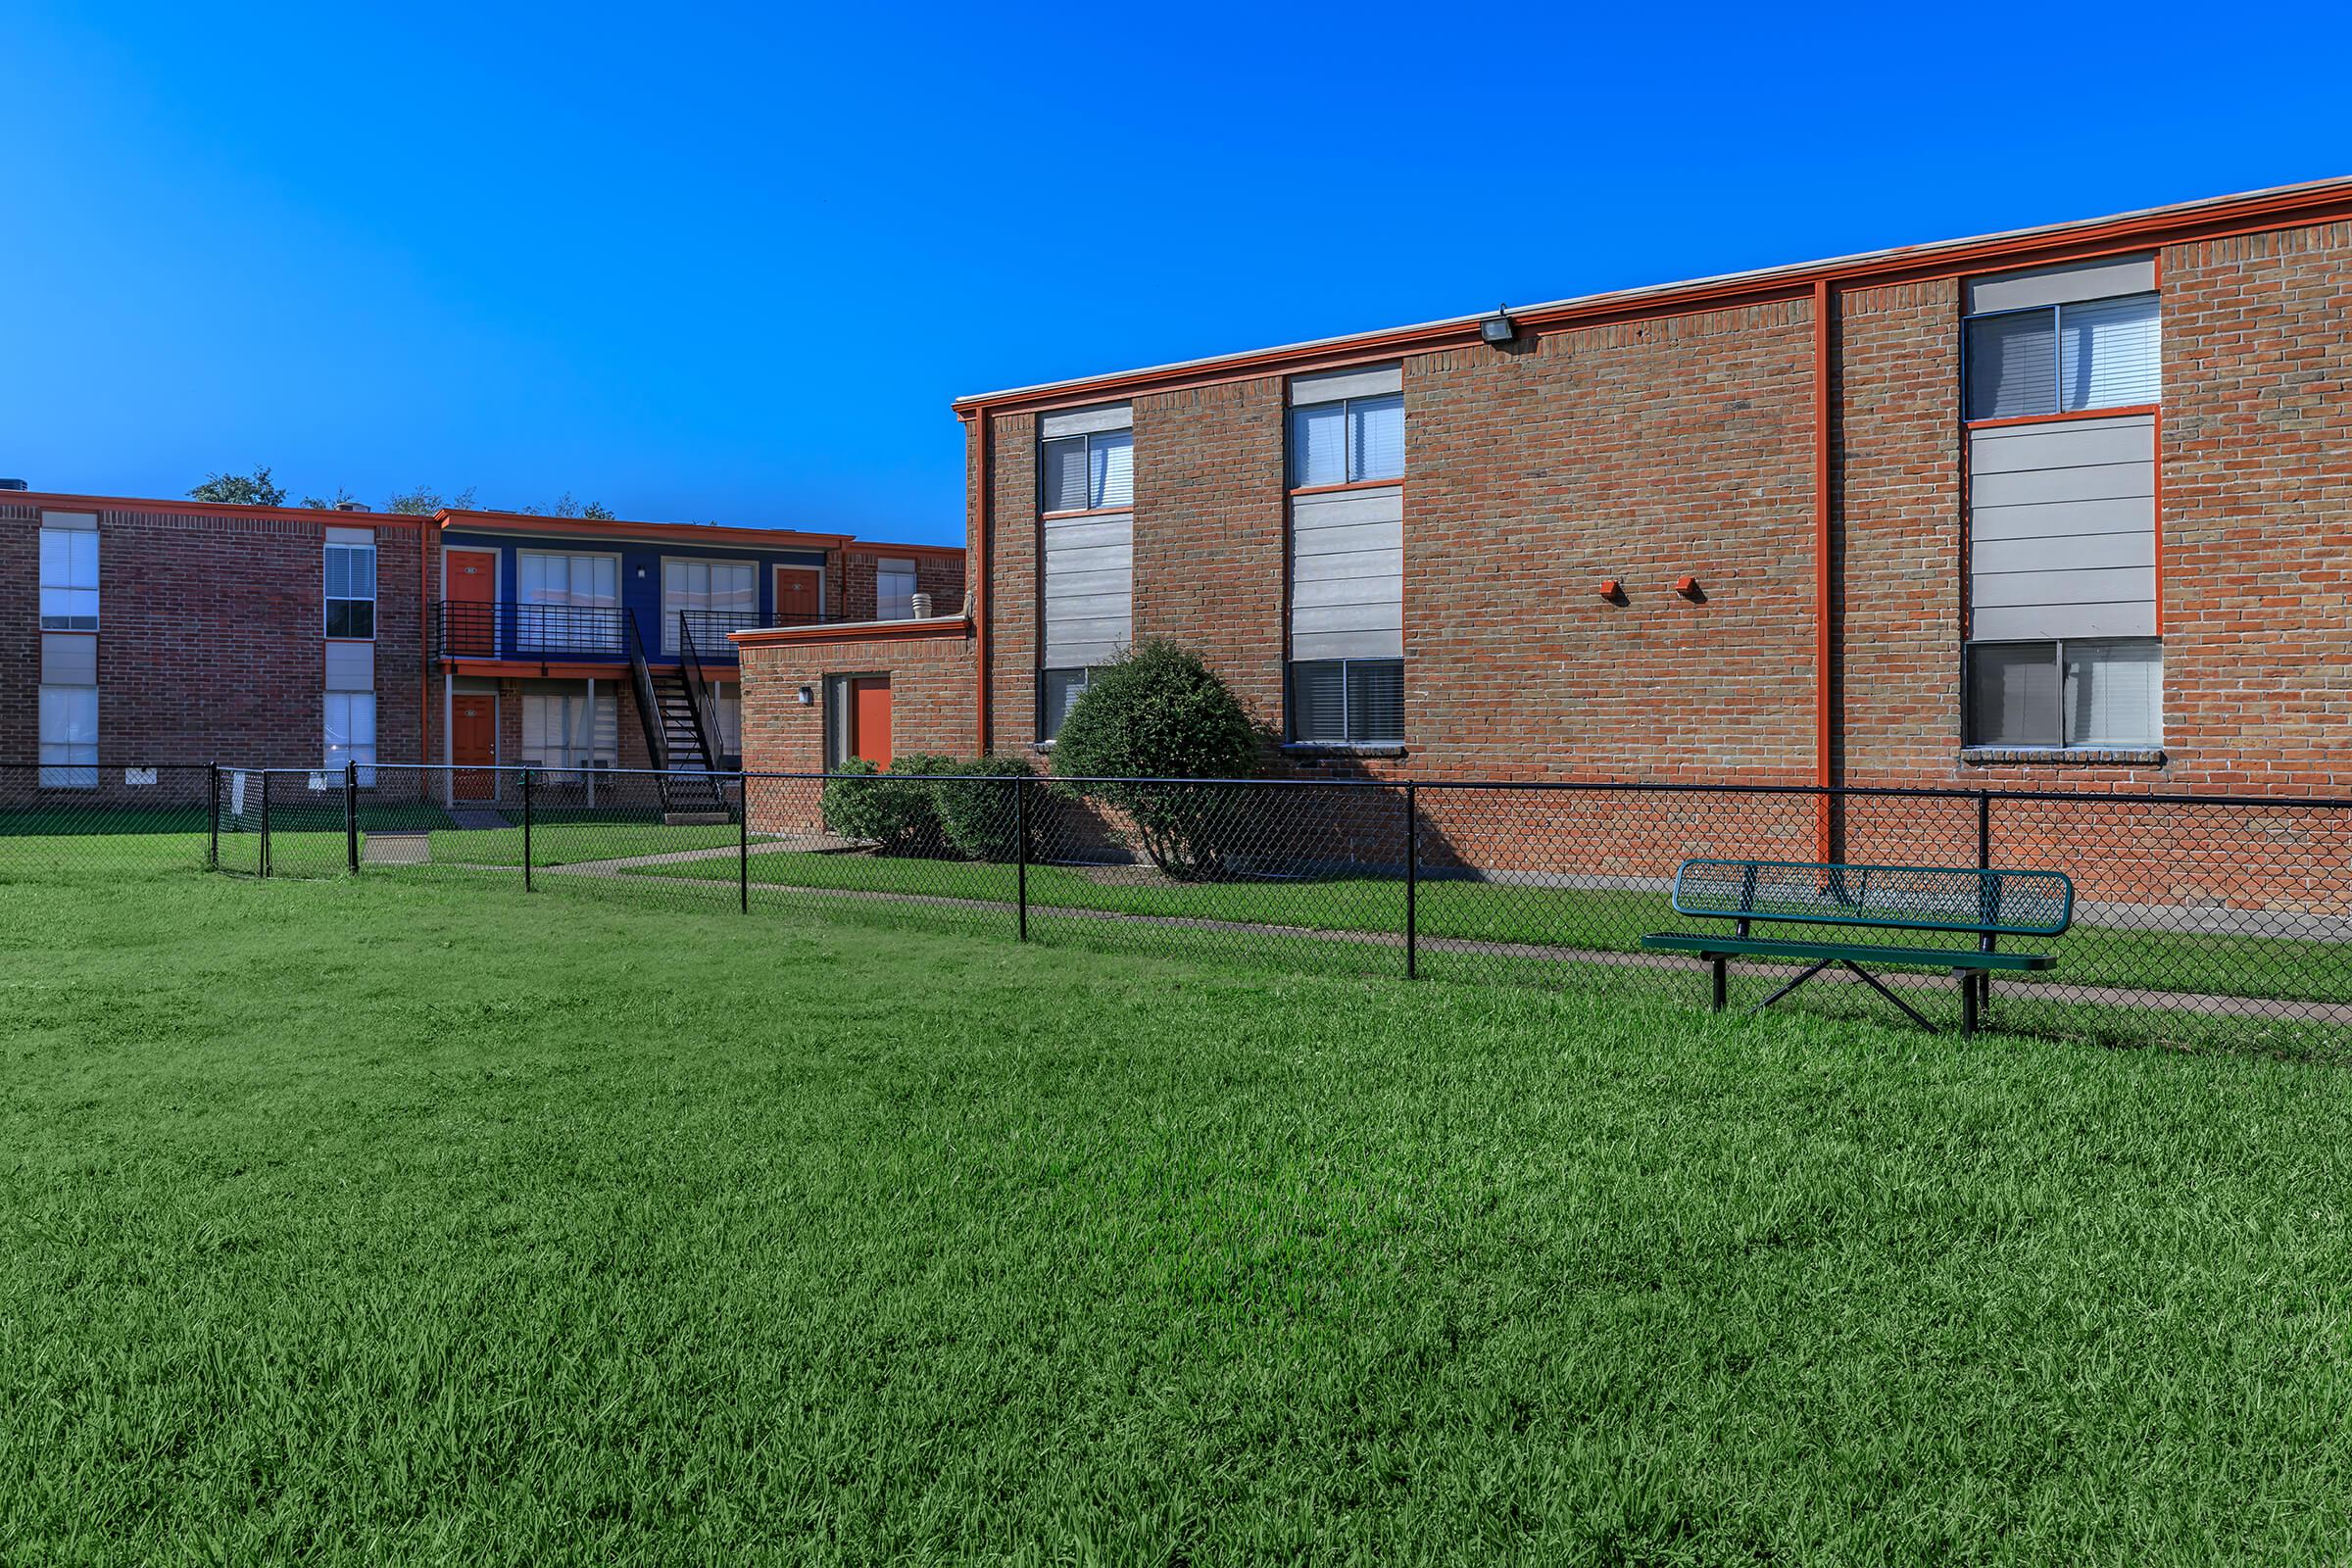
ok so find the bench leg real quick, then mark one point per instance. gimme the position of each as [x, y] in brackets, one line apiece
[1880, 986]
[1968, 1001]
[1716, 964]
[1800, 980]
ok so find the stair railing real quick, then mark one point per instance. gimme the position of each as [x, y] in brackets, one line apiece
[698, 693]
[649, 705]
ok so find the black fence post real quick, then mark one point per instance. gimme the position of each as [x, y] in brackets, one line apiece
[212, 845]
[1413, 884]
[743, 838]
[1989, 905]
[264, 857]
[351, 817]
[526, 830]
[1020, 852]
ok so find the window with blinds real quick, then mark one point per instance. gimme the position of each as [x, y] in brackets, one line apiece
[69, 573]
[1351, 441]
[69, 737]
[562, 730]
[1356, 702]
[1090, 472]
[2064, 357]
[351, 733]
[2082, 694]
[714, 598]
[349, 572]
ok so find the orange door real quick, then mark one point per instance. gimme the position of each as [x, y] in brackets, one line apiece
[869, 719]
[473, 743]
[796, 596]
[469, 604]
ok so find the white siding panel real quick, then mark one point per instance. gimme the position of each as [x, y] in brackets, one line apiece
[350, 666]
[2098, 481]
[2062, 444]
[1329, 386]
[2060, 518]
[2095, 586]
[1348, 575]
[1085, 421]
[2062, 284]
[2004, 624]
[1089, 591]
[69, 658]
[2067, 553]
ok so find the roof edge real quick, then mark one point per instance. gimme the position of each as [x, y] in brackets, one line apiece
[2310, 200]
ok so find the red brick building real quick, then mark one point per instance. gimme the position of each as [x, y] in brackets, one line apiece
[139, 632]
[2069, 507]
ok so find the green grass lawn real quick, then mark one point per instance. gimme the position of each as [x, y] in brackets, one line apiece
[389, 1220]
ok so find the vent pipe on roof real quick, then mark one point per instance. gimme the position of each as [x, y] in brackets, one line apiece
[353, 506]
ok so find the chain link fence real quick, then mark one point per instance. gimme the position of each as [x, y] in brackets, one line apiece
[2197, 918]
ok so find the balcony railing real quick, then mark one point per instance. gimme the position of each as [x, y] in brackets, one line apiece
[508, 630]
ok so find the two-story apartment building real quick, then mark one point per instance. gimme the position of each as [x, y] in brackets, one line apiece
[138, 632]
[2068, 507]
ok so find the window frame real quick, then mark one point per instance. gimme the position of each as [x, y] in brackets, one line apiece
[577, 759]
[2056, 313]
[1086, 674]
[44, 586]
[532, 634]
[670, 617]
[1347, 445]
[1346, 706]
[915, 578]
[328, 601]
[68, 772]
[364, 765]
[1086, 452]
[2057, 645]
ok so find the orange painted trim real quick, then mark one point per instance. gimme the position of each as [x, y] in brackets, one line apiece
[1824, 716]
[864, 631]
[2062, 418]
[59, 501]
[673, 533]
[1396, 483]
[2156, 510]
[983, 426]
[869, 547]
[2331, 202]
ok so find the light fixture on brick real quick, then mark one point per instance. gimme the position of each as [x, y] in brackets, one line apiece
[1499, 330]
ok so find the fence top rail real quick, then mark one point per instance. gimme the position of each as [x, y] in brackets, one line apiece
[1434, 787]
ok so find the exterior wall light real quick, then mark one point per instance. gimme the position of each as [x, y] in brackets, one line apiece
[1498, 328]
[807, 696]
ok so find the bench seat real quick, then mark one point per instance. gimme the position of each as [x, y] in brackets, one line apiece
[1953, 959]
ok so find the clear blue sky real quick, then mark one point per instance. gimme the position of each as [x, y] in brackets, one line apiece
[732, 264]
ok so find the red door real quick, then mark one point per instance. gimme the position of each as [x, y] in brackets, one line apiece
[469, 604]
[473, 743]
[796, 596]
[869, 719]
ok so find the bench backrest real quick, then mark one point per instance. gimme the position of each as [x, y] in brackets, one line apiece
[1906, 898]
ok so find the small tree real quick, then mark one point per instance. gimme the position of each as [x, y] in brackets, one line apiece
[253, 489]
[423, 502]
[1159, 712]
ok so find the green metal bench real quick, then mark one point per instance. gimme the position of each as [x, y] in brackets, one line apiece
[1984, 904]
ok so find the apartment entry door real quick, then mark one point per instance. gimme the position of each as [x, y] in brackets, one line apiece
[799, 595]
[469, 603]
[473, 743]
[869, 718]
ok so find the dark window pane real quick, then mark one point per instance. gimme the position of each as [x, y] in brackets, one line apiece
[1058, 694]
[1318, 704]
[2013, 694]
[2013, 366]
[1066, 474]
[1375, 700]
[2115, 693]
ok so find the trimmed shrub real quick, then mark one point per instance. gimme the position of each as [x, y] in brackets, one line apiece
[888, 809]
[980, 820]
[1160, 712]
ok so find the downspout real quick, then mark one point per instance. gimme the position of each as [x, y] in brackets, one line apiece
[1824, 717]
[426, 529]
[978, 587]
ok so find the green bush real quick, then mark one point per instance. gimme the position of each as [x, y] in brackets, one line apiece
[887, 807]
[1160, 712]
[980, 820]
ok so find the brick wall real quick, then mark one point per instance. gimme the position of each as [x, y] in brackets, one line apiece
[937, 573]
[212, 641]
[931, 679]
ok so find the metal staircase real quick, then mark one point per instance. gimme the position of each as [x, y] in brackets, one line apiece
[678, 739]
